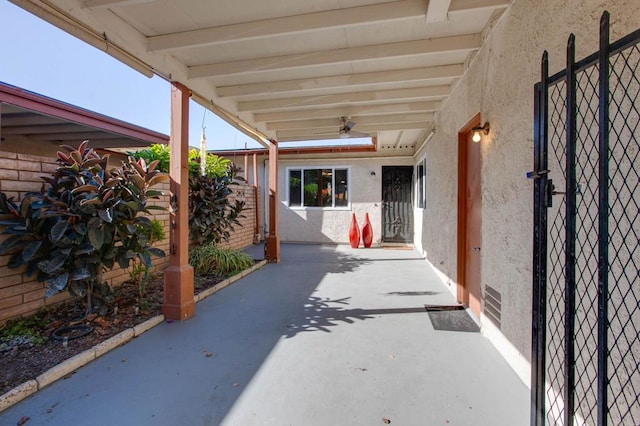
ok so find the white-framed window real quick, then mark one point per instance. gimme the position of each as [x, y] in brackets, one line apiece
[318, 187]
[421, 183]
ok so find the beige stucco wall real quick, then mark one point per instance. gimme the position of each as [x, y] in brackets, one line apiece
[499, 84]
[332, 225]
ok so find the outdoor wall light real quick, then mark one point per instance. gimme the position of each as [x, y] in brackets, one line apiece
[478, 131]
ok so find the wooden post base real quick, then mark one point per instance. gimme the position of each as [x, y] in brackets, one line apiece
[179, 303]
[272, 249]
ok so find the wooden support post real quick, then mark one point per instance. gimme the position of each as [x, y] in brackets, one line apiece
[256, 195]
[179, 303]
[272, 252]
[246, 169]
[255, 170]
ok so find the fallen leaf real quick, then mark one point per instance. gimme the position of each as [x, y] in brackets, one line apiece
[123, 360]
[386, 421]
[101, 322]
[209, 354]
[235, 385]
[23, 420]
[361, 369]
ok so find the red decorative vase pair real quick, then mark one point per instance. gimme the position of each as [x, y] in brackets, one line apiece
[354, 232]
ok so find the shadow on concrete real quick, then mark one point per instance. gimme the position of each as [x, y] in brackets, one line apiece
[413, 293]
[320, 315]
[249, 357]
[192, 372]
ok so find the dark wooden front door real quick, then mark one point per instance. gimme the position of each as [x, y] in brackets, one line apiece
[397, 210]
[469, 220]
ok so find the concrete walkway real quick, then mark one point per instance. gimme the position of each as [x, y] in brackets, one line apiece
[330, 336]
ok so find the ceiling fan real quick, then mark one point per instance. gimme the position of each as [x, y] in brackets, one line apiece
[345, 132]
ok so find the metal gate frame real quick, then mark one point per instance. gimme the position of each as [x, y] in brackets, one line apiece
[544, 192]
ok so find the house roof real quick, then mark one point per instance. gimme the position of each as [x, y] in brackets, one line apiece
[290, 69]
[40, 118]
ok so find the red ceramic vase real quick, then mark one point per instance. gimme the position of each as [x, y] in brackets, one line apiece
[354, 232]
[367, 232]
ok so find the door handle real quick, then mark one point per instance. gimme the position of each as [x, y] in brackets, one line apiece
[476, 248]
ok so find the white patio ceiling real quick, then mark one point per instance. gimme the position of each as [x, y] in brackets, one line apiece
[289, 69]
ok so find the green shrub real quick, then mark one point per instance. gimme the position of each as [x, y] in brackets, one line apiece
[23, 330]
[215, 167]
[84, 220]
[139, 273]
[155, 152]
[211, 215]
[209, 259]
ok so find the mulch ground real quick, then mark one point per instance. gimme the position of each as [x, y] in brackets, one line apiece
[22, 361]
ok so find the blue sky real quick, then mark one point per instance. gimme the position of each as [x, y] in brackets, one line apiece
[41, 58]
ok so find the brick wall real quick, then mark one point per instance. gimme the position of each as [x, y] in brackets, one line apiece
[243, 235]
[21, 295]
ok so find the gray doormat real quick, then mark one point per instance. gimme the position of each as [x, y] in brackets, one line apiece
[451, 318]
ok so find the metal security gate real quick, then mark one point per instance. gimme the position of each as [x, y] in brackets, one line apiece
[586, 284]
[397, 207]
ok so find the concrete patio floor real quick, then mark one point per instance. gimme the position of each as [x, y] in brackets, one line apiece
[330, 336]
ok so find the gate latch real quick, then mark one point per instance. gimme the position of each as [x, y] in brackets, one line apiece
[535, 174]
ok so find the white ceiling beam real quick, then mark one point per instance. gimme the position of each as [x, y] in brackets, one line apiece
[359, 120]
[470, 5]
[342, 98]
[437, 11]
[360, 15]
[399, 139]
[345, 80]
[98, 4]
[331, 19]
[351, 110]
[369, 129]
[466, 42]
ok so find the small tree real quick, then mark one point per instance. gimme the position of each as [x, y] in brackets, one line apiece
[211, 215]
[84, 220]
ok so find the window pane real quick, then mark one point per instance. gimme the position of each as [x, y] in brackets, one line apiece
[341, 191]
[312, 186]
[326, 190]
[295, 185]
[421, 196]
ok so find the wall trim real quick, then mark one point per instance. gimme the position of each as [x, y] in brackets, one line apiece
[518, 363]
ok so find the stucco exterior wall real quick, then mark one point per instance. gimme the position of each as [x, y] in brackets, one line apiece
[332, 225]
[499, 84]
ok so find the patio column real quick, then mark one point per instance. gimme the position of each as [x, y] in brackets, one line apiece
[272, 252]
[179, 303]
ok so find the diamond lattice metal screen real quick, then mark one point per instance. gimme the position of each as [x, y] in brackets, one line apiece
[586, 287]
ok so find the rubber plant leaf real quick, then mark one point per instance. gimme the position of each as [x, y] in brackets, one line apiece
[106, 215]
[58, 230]
[51, 266]
[96, 237]
[31, 249]
[81, 274]
[156, 252]
[56, 284]
[10, 243]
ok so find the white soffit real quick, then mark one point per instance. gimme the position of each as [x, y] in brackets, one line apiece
[291, 69]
